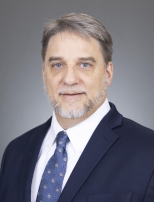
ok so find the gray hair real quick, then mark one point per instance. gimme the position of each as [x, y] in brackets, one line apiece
[82, 24]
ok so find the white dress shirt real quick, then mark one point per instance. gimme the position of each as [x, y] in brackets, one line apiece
[79, 136]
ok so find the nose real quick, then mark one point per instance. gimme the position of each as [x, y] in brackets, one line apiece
[70, 76]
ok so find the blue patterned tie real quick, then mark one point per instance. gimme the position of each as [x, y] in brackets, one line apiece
[52, 179]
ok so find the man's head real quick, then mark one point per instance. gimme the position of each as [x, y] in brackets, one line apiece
[77, 67]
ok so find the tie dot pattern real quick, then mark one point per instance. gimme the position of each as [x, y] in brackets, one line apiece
[52, 179]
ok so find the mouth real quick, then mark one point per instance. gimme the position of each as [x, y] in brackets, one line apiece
[72, 96]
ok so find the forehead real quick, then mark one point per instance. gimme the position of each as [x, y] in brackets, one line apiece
[70, 43]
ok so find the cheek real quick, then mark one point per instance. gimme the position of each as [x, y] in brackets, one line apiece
[51, 82]
[95, 83]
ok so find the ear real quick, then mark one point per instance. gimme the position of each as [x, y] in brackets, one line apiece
[109, 73]
[43, 67]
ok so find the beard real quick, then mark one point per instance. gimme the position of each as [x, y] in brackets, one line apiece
[73, 112]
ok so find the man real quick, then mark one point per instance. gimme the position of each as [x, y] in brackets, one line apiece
[87, 151]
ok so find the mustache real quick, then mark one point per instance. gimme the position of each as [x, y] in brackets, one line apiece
[71, 90]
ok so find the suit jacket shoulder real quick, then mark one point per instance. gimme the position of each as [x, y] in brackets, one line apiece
[137, 135]
[17, 146]
[19, 154]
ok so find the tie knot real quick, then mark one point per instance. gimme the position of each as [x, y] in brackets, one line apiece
[62, 139]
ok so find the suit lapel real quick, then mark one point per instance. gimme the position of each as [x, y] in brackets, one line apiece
[102, 139]
[29, 161]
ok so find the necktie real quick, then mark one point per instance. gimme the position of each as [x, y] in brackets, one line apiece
[52, 178]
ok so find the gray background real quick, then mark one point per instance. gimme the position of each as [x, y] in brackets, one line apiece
[23, 104]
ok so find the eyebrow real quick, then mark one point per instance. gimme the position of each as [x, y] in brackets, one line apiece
[88, 59]
[55, 58]
[51, 59]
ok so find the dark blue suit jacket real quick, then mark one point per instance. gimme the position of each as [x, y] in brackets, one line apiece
[117, 164]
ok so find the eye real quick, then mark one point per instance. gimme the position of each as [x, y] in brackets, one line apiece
[85, 64]
[57, 65]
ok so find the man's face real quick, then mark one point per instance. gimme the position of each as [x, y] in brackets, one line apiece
[75, 75]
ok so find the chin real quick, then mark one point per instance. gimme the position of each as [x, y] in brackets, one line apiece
[71, 112]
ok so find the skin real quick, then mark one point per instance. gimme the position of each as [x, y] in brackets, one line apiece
[73, 61]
